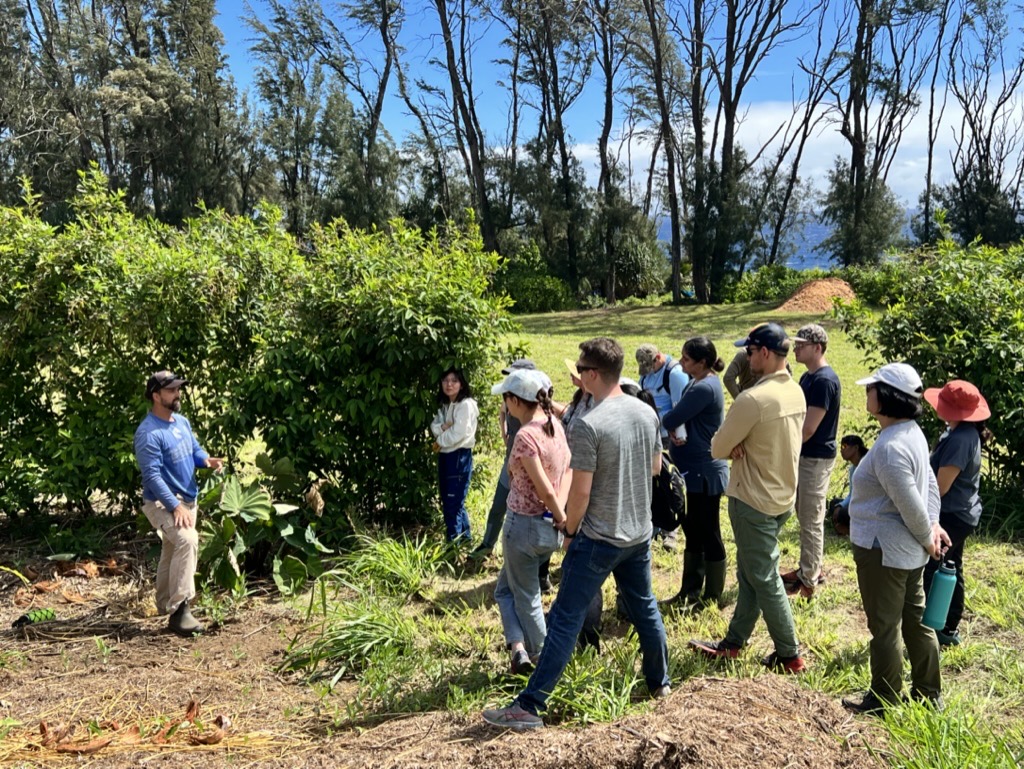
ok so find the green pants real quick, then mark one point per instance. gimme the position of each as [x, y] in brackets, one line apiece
[761, 588]
[894, 604]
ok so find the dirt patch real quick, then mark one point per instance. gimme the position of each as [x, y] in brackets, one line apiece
[816, 296]
[105, 675]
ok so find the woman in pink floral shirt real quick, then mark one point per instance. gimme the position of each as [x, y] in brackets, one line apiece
[540, 477]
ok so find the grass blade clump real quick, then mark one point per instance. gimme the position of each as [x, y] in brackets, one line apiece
[348, 638]
[926, 739]
[397, 566]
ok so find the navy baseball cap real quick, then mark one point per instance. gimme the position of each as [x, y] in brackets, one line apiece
[769, 335]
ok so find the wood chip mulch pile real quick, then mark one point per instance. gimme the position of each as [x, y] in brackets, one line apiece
[716, 723]
[816, 296]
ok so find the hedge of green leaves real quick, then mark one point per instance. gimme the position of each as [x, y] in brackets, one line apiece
[329, 350]
[961, 316]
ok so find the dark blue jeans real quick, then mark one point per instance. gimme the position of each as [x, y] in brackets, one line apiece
[454, 472]
[587, 564]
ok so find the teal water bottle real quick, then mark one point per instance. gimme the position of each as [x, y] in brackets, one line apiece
[939, 596]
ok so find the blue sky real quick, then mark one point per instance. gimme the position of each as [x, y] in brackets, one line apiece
[767, 104]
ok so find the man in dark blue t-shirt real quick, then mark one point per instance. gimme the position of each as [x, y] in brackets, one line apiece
[822, 392]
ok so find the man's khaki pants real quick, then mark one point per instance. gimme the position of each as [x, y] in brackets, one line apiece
[179, 554]
[811, 496]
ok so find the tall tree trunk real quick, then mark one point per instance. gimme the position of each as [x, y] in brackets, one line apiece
[471, 131]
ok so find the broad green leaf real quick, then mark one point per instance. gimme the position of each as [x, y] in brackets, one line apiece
[251, 502]
[289, 574]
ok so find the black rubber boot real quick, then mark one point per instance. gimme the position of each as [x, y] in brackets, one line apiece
[544, 576]
[692, 583]
[693, 576]
[714, 583]
[183, 623]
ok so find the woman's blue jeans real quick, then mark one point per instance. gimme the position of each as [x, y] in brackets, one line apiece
[527, 540]
[454, 471]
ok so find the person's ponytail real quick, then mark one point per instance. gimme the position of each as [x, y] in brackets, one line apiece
[544, 401]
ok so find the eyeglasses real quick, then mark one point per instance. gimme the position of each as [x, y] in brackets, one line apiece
[751, 348]
[580, 368]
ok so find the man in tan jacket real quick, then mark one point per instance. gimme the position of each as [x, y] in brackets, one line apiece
[762, 433]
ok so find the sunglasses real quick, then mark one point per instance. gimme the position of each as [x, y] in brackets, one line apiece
[752, 348]
[580, 368]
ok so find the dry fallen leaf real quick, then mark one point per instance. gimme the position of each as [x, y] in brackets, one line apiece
[46, 586]
[85, 748]
[56, 734]
[23, 598]
[112, 568]
[30, 573]
[73, 597]
[191, 710]
[132, 736]
[210, 738]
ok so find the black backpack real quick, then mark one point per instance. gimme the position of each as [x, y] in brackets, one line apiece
[668, 500]
[666, 370]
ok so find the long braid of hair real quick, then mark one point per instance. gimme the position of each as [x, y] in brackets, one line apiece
[544, 400]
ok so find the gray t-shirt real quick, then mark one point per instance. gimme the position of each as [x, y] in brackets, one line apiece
[617, 441]
[961, 448]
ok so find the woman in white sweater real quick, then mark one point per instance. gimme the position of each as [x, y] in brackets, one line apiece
[894, 528]
[454, 430]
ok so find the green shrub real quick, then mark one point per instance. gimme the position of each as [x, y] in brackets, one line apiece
[881, 285]
[348, 388]
[525, 279]
[772, 283]
[333, 356]
[960, 315]
[86, 313]
[245, 532]
[538, 293]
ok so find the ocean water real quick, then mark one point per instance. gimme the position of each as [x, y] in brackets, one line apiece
[806, 256]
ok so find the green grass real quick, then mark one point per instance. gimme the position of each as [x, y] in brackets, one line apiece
[455, 659]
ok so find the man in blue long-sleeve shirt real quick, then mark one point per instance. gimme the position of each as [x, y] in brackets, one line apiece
[168, 455]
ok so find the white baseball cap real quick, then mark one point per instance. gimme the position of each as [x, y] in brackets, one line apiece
[900, 376]
[523, 383]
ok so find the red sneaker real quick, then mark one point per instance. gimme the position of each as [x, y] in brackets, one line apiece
[716, 649]
[784, 664]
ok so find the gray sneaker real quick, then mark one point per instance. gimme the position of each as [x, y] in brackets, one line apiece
[183, 623]
[513, 717]
[661, 692]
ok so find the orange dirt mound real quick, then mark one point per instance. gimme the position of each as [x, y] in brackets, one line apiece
[816, 296]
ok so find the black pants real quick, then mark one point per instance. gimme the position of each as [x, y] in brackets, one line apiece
[958, 531]
[702, 527]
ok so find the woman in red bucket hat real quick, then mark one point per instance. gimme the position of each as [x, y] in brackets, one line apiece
[956, 461]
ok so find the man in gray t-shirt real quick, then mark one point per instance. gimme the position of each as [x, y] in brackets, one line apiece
[616, 451]
[615, 442]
